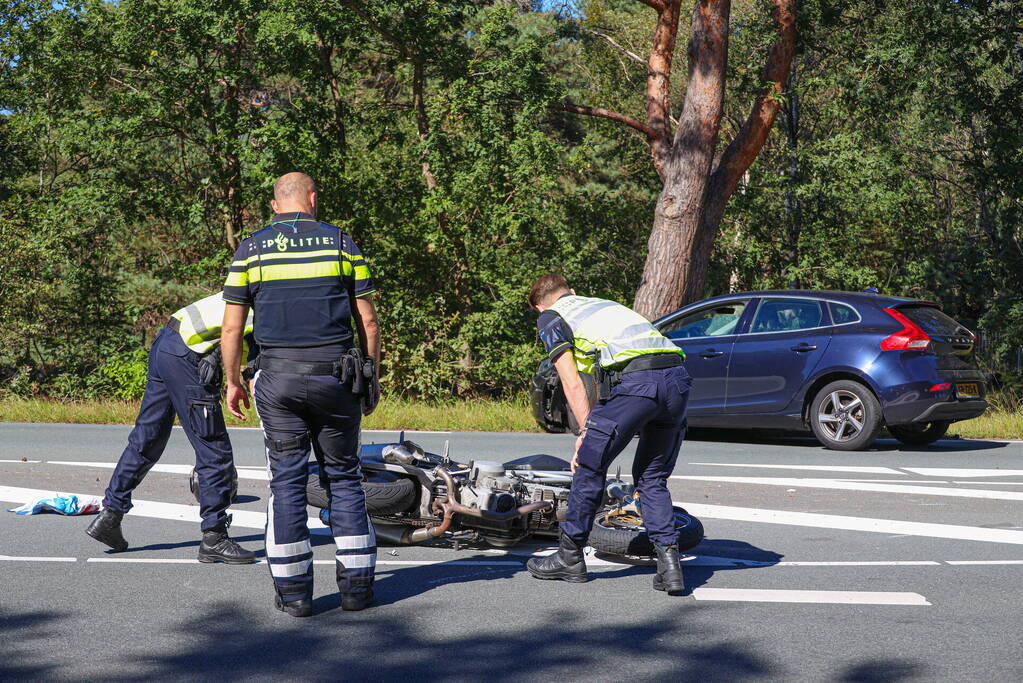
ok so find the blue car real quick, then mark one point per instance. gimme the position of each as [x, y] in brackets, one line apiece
[843, 365]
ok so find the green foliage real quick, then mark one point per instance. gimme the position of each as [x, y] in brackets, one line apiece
[140, 140]
[127, 374]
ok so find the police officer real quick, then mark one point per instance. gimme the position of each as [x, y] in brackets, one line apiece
[306, 280]
[184, 379]
[649, 390]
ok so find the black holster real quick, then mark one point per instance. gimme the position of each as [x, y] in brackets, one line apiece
[211, 368]
[362, 373]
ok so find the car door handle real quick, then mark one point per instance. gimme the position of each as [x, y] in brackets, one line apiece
[711, 353]
[800, 348]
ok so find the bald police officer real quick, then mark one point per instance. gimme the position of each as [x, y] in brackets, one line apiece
[306, 280]
[183, 379]
[649, 390]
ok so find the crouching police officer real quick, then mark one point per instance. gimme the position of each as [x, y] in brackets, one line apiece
[644, 389]
[305, 280]
[184, 377]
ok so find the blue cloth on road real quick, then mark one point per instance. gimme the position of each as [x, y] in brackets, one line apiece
[173, 387]
[62, 505]
[651, 403]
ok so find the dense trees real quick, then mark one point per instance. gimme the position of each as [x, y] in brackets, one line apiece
[139, 140]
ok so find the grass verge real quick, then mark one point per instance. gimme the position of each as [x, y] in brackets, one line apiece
[392, 413]
[996, 424]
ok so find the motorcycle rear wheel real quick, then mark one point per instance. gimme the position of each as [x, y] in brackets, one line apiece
[383, 496]
[614, 538]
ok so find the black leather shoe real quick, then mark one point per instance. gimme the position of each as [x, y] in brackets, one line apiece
[216, 546]
[106, 528]
[296, 608]
[669, 572]
[568, 564]
[353, 602]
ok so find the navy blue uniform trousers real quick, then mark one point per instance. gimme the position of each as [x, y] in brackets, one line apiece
[173, 386]
[651, 403]
[299, 411]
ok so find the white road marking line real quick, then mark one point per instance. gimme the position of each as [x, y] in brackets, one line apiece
[899, 481]
[953, 472]
[813, 597]
[990, 483]
[257, 520]
[19, 460]
[144, 560]
[692, 561]
[855, 486]
[149, 508]
[881, 526]
[822, 468]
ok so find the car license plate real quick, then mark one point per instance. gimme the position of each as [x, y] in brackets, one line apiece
[970, 390]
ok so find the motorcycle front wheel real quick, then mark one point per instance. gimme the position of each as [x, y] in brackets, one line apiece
[625, 534]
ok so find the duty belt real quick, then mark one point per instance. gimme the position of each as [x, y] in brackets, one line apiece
[297, 367]
[652, 361]
[609, 378]
[350, 367]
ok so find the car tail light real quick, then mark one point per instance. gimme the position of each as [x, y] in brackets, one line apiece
[940, 386]
[909, 337]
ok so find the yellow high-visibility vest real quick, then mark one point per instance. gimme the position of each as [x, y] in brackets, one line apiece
[609, 330]
[199, 323]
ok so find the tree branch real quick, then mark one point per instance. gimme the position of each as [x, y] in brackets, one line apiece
[744, 148]
[616, 44]
[658, 5]
[613, 115]
[658, 81]
[384, 33]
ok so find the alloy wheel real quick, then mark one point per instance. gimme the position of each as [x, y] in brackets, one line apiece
[840, 415]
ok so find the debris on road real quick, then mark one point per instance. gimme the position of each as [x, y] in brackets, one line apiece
[62, 505]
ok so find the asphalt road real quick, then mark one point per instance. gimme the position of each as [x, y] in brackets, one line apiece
[891, 564]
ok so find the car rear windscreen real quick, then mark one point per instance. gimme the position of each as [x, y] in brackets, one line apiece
[932, 321]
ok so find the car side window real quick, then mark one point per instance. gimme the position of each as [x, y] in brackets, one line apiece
[843, 314]
[786, 315]
[717, 321]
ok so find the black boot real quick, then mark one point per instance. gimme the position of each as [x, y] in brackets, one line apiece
[302, 607]
[216, 546]
[568, 564]
[106, 528]
[669, 572]
[353, 602]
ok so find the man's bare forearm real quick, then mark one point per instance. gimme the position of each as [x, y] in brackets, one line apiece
[231, 341]
[575, 390]
[369, 329]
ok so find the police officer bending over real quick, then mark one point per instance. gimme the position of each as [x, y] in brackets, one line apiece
[184, 377]
[644, 390]
[306, 280]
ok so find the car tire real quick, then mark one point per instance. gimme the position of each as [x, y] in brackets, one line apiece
[592, 393]
[845, 416]
[919, 433]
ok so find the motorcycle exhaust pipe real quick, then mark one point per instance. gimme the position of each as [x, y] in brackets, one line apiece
[402, 534]
[521, 511]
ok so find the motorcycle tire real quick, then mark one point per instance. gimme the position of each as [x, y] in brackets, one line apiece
[634, 541]
[193, 485]
[383, 497]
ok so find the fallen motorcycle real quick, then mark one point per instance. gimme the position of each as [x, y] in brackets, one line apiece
[413, 496]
